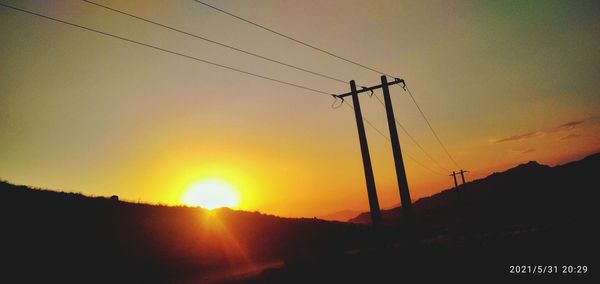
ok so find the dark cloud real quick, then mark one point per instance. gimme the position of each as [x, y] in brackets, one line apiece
[565, 126]
[519, 137]
[572, 123]
[523, 151]
[568, 125]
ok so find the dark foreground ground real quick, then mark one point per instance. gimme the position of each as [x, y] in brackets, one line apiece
[537, 221]
[450, 258]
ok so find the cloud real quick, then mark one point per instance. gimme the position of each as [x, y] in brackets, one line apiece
[571, 124]
[568, 125]
[524, 151]
[519, 137]
[570, 136]
[565, 126]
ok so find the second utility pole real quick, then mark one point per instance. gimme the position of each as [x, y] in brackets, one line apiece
[462, 175]
[453, 175]
[398, 162]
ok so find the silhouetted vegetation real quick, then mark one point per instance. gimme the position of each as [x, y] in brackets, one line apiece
[527, 196]
[528, 215]
[74, 238]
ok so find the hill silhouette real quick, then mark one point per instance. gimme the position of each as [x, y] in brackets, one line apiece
[342, 215]
[69, 237]
[528, 195]
[528, 215]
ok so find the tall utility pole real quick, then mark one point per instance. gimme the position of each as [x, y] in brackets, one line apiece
[398, 162]
[364, 149]
[371, 192]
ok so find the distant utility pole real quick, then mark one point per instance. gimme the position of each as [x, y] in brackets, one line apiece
[462, 175]
[400, 171]
[453, 175]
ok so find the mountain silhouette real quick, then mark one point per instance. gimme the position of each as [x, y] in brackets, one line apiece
[526, 195]
[528, 215]
[342, 215]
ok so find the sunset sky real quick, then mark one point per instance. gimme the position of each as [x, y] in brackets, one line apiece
[502, 82]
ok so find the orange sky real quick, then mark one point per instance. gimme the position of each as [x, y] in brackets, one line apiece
[501, 83]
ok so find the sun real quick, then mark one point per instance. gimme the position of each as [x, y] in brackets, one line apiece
[211, 194]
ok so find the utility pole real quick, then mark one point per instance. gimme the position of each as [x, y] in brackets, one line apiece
[462, 175]
[453, 175]
[466, 209]
[364, 149]
[398, 162]
[464, 187]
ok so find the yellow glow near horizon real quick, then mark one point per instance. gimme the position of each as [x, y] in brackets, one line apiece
[148, 128]
[211, 194]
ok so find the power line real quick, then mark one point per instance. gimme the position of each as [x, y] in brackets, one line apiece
[387, 138]
[166, 50]
[252, 54]
[232, 68]
[290, 38]
[431, 128]
[334, 55]
[217, 43]
[413, 139]
[369, 123]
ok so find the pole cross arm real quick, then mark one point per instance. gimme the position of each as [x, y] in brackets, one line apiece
[396, 81]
